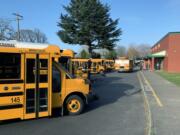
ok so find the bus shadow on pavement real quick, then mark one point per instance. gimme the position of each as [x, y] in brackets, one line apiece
[19, 121]
[110, 91]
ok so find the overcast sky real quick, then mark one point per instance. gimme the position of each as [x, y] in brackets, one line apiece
[142, 21]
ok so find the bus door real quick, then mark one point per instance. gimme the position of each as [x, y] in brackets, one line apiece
[37, 85]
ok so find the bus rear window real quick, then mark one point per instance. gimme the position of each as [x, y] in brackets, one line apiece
[10, 66]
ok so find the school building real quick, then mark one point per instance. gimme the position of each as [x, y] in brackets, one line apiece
[165, 54]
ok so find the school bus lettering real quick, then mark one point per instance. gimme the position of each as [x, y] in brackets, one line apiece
[6, 45]
[15, 100]
[16, 88]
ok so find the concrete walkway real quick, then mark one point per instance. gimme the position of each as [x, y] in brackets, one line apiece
[164, 99]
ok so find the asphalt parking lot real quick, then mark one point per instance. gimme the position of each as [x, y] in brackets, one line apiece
[119, 111]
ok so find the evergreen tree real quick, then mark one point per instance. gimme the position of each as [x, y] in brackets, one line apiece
[84, 54]
[88, 22]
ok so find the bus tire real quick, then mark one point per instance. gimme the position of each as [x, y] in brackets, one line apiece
[74, 105]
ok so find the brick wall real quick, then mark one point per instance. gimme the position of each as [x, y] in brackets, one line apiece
[174, 53]
[171, 44]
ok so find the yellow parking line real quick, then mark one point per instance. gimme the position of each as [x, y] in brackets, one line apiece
[148, 115]
[153, 91]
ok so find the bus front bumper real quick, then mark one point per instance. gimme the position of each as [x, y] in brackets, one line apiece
[123, 70]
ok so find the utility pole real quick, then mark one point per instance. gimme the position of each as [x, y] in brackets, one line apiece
[18, 18]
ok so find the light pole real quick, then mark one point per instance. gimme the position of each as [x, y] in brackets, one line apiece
[18, 18]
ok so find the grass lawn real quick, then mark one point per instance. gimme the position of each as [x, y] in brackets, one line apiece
[172, 77]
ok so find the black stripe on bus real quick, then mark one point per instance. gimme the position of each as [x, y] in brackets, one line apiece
[11, 94]
[11, 106]
[10, 81]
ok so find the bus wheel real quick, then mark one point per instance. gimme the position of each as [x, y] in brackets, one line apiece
[74, 105]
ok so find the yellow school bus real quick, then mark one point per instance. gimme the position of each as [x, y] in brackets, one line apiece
[97, 66]
[33, 82]
[124, 64]
[109, 64]
[80, 67]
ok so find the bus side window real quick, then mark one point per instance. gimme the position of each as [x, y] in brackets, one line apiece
[10, 66]
[56, 80]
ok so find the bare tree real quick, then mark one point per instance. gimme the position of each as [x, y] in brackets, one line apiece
[132, 52]
[40, 36]
[6, 30]
[144, 49]
[27, 35]
[121, 51]
[138, 51]
[34, 36]
[111, 54]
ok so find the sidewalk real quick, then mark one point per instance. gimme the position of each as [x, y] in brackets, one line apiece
[166, 118]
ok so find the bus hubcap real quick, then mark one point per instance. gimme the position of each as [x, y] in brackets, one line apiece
[73, 105]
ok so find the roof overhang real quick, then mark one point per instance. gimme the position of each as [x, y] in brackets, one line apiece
[156, 55]
[159, 54]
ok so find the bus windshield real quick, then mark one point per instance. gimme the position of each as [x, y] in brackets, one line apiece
[59, 66]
